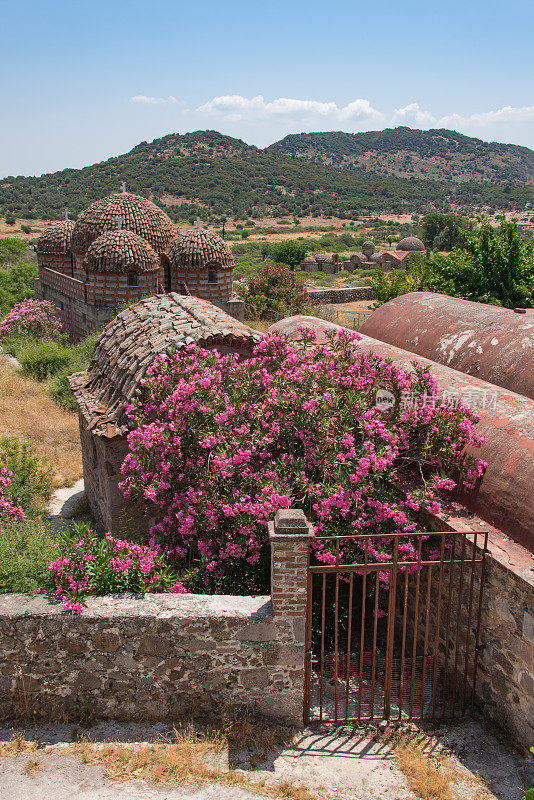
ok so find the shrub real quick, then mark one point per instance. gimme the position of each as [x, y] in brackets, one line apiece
[16, 284]
[222, 444]
[289, 252]
[10, 507]
[37, 318]
[93, 565]
[26, 228]
[60, 390]
[26, 549]
[31, 476]
[11, 251]
[273, 289]
[41, 359]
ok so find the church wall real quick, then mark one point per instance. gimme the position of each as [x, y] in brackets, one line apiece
[197, 284]
[59, 263]
[112, 289]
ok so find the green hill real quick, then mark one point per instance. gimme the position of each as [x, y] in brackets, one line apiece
[441, 154]
[211, 174]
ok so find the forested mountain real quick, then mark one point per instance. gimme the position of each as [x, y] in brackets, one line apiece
[208, 173]
[440, 154]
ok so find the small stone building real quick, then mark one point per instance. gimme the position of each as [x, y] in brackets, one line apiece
[125, 350]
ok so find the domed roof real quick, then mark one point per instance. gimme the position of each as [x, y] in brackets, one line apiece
[309, 260]
[411, 244]
[121, 252]
[375, 257]
[198, 247]
[56, 239]
[137, 214]
[322, 258]
[368, 245]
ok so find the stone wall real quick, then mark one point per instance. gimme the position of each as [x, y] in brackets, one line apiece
[198, 285]
[155, 657]
[505, 673]
[342, 295]
[78, 317]
[163, 656]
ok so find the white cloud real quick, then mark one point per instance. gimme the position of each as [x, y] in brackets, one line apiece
[237, 107]
[413, 113]
[500, 115]
[151, 101]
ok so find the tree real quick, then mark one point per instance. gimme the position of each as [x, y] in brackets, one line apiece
[443, 231]
[494, 266]
[289, 252]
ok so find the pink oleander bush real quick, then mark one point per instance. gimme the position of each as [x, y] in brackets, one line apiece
[38, 319]
[88, 564]
[273, 289]
[221, 444]
[10, 507]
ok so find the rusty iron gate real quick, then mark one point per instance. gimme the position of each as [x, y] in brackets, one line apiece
[393, 633]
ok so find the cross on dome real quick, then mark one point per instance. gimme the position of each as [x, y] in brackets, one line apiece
[123, 187]
[66, 213]
[119, 223]
[198, 222]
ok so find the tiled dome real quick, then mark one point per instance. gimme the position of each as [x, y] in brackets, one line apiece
[197, 248]
[137, 214]
[368, 246]
[56, 239]
[120, 251]
[309, 260]
[411, 244]
[322, 258]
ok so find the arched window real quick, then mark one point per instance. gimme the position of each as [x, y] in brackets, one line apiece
[133, 280]
[212, 275]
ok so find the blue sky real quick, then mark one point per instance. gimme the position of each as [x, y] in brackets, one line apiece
[82, 81]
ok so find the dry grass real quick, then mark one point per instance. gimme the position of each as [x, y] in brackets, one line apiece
[32, 767]
[28, 412]
[17, 745]
[189, 758]
[429, 778]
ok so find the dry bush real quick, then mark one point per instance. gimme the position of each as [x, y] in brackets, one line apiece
[28, 412]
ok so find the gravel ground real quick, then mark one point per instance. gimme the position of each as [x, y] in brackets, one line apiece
[342, 764]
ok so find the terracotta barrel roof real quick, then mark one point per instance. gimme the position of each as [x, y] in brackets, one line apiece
[136, 214]
[56, 239]
[129, 344]
[121, 252]
[198, 247]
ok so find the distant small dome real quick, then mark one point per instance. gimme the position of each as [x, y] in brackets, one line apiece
[368, 247]
[309, 260]
[411, 244]
[375, 257]
[137, 214]
[322, 258]
[121, 252]
[56, 239]
[197, 248]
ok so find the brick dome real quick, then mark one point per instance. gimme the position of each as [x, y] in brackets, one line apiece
[137, 214]
[322, 258]
[411, 244]
[56, 239]
[368, 246]
[121, 252]
[197, 248]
